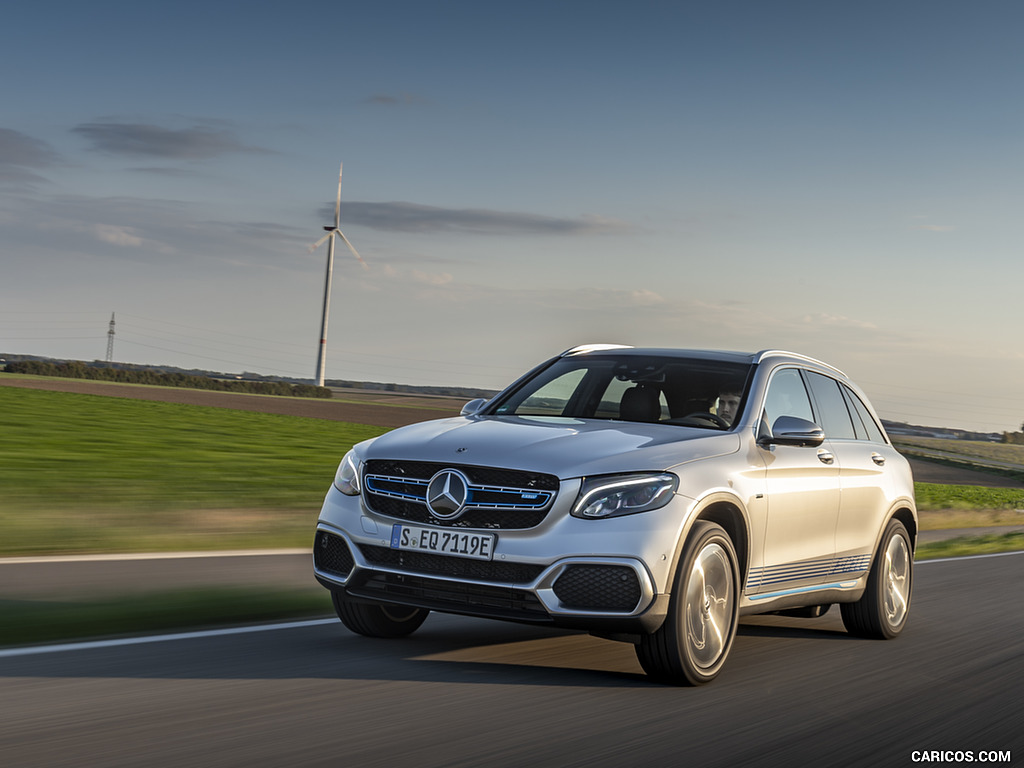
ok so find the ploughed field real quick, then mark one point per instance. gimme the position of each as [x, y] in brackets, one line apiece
[379, 409]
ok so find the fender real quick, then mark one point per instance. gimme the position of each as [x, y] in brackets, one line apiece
[725, 507]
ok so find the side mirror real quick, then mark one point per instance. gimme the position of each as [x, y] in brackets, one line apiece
[473, 406]
[789, 430]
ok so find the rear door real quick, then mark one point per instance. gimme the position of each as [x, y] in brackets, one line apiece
[866, 462]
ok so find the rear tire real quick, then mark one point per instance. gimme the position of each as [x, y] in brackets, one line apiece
[692, 645]
[883, 610]
[378, 619]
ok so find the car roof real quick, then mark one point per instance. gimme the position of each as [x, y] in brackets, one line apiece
[769, 356]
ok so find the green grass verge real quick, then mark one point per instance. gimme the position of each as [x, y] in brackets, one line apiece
[971, 545]
[986, 451]
[28, 622]
[937, 496]
[84, 473]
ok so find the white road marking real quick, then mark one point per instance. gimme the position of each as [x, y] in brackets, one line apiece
[124, 641]
[968, 557]
[151, 556]
[114, 643]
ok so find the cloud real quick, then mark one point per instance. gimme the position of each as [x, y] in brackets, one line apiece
[167, 234]
[412, 217]
[432, 279]
[403, 98]
[115, 235]
[174, 173]
[141, 140]
[923, 223]
[646, 298]
[838, 321]
[21, 155]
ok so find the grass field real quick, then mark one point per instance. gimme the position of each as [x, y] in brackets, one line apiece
[82, 473]
[1002, 452]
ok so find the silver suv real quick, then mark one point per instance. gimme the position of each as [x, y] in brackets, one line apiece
[652, 496]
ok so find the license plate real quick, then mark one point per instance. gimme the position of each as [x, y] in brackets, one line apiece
[441, 541]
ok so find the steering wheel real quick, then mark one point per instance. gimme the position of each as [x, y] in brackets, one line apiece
[706, 416]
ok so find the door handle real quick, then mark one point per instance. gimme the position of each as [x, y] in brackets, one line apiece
[878, 458]
[825, 457]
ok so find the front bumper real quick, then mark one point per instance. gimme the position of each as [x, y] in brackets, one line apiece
[580, 574]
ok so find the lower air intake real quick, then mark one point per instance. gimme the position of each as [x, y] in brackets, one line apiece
[598, 588]
[332, 555]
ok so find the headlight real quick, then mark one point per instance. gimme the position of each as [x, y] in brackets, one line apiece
[617, 495]
[346, 479]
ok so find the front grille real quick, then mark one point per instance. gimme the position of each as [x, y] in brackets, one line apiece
[598, 588]
[425, 470]
[455, 567]
[498, 498]
[448, 596]
[332, 555]
[491, 519]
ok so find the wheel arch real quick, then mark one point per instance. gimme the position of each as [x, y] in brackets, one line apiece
[909, 520]
[725, 510]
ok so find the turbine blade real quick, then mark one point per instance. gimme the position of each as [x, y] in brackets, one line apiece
[319, 242]
[352, 248]
[337, 205]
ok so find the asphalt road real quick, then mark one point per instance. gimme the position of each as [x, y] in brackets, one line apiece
[465, 692]
[94, 576]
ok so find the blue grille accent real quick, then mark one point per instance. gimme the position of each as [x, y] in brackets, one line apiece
[480, 496]
[496, 498]
[397, 487]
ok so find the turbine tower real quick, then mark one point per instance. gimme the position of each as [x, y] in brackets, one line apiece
[332, 234]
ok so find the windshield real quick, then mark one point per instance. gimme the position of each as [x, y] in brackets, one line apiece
[653, 389]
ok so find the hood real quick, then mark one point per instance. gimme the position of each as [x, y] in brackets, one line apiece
[559, 446]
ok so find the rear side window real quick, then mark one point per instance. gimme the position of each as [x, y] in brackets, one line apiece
[834, 415]
[867, 427]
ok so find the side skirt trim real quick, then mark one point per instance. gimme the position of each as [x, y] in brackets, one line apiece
[801, 590]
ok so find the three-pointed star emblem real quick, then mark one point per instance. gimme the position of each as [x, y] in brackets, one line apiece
[447, 494]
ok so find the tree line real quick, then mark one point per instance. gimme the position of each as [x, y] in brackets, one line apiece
[79, 370]
[1014, 438]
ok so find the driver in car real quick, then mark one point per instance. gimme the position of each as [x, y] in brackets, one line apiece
[728, 403]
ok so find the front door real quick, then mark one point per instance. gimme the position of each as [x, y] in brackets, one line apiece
[802, 494]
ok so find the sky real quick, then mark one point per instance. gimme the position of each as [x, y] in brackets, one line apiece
[838, 179]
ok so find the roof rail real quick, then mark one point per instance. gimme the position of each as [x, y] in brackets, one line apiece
[766, 352]
[583, 349]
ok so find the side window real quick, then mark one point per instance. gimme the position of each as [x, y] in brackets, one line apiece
[835, 417]
[863, 418]
[551, 399]
[787, 397]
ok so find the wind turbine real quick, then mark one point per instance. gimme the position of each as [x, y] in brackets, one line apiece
[332, 234]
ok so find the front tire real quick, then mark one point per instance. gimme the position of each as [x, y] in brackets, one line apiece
[377, 619]
[692, 645]
[882, 612]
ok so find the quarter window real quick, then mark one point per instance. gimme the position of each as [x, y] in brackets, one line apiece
[863, 419]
